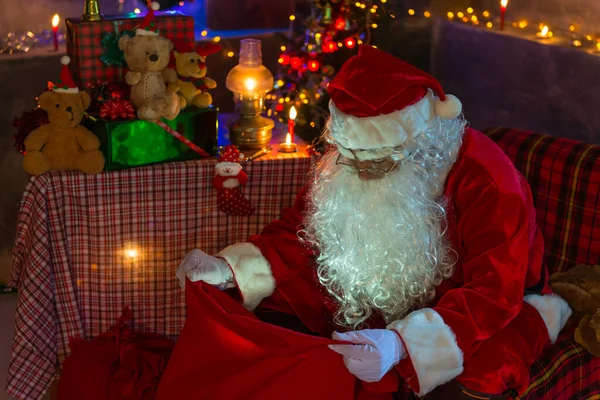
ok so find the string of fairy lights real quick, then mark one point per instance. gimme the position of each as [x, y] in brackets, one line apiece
[574, 35]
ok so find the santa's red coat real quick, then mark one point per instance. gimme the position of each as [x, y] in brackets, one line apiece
[491, 224]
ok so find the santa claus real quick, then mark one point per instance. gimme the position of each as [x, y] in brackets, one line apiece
[414, 244]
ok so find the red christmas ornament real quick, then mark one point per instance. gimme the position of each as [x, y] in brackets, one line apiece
[313, 66]
[340, 24]
[350, 43]
[279, 107]
[284, 59]
[296, 62]
[117, 109]
[329, 46]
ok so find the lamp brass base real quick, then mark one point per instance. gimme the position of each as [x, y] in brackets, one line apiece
[251, 131]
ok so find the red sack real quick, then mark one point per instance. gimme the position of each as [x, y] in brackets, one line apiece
[117, 365]
[225, 352]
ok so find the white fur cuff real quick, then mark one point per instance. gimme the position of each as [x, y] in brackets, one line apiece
[553, 309]
[432, 346]
[252, 272]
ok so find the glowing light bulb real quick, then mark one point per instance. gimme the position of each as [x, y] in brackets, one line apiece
[374, 26]
[572, 28]
[450, 14]
[470, 10]
[279, 83]
[489, 25]
[460, 14]
[486, 14]
[427, 14]
[136, 11]
[474, 18]
[131, 253]
[217, 39]
[411, 12]
[204, 33]
[588, 37]
[577, 43]
[523, 24]
[383, 1]
[250, 83]
[292, 17]
[230, 54]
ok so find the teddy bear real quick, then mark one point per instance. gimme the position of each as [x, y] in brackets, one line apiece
[147, 56]
[580, 287]
[63, 143]
[192, 83]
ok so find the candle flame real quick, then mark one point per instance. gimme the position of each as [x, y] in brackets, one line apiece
[293, 113]
[504, 3]
[288, 139]
[250, 84]
[544, 31]
[55, 20]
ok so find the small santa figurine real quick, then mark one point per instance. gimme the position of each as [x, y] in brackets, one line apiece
[228, 179]
[414, 247]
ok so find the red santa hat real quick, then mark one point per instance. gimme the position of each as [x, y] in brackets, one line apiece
[378, 100]
[65, 83]
[148, 25]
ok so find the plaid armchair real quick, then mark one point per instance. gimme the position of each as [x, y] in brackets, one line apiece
[565, 180]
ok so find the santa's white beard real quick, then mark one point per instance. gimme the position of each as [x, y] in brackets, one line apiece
[380, 242]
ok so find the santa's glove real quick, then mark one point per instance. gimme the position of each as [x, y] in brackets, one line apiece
[374, 353]
[199, 266]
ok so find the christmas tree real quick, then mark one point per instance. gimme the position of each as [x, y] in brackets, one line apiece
[309, 58]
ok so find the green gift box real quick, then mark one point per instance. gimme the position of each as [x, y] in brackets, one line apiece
[129, 144]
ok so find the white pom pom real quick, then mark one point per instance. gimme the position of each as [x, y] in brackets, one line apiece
[449, 108]
[155, 6]
[65, 60]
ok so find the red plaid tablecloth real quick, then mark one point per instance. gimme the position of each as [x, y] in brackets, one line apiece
[88, 245]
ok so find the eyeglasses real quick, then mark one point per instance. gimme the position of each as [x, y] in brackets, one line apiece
[373, 171]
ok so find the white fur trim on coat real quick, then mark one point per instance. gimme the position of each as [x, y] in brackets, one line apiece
[553, 309]
[388, 130]
[252, 272]
[432, 346]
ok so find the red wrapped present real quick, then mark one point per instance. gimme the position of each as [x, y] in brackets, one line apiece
[86, 48]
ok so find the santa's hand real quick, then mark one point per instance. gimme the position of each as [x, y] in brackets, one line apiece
[199, 266]
[374, 353]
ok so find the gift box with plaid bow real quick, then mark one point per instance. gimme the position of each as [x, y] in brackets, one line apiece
[87, 43]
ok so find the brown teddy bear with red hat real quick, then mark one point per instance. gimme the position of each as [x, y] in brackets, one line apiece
[63, 143]
[192, 83]
[147, 55]
[228, 179]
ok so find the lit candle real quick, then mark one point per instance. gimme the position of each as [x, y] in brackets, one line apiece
[544, 33]
[503, 5]
[288, 146]
[291, 122]
[55, 21]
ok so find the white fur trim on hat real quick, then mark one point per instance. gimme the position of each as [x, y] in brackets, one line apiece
[144, 32]
[252, 272]
[69, 90]
[65, 60]
[553, 309]
[155, 6]
[388, 130]
[432, 347]
[449, 108]
[393, 129]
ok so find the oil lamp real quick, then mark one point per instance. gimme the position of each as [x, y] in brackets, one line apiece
[250, 81]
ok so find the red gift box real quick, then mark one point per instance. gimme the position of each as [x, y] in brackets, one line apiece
[85, 48]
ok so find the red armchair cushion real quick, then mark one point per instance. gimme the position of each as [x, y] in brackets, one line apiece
[565, 180]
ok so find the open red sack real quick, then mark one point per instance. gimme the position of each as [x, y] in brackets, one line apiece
[225, 352]
[117, 365]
